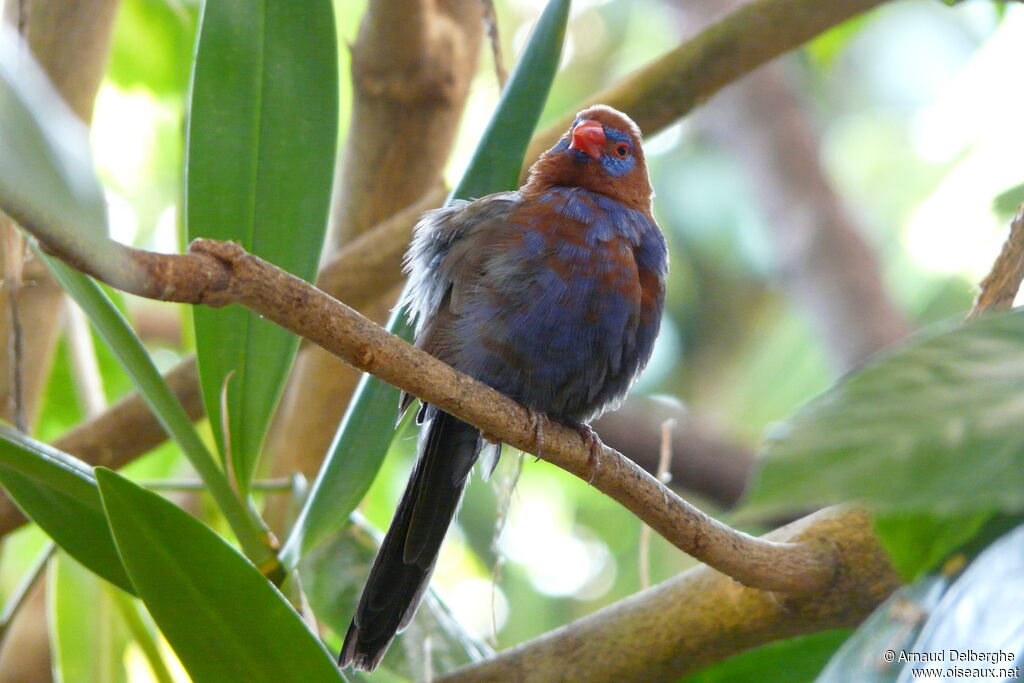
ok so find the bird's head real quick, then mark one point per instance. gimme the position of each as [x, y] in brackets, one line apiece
[600, 152]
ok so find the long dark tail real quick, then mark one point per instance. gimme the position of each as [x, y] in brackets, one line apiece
[403, 566]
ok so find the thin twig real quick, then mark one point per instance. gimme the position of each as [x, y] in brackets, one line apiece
[505, 492]
[84, 366]
[276, 485]
[664, 460]
[1000, 286]
[13, 261]
[491, 25]
[21, 593]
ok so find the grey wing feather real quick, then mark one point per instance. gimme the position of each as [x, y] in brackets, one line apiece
[437, 258]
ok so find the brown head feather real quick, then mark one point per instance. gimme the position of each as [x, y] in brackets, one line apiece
[563, 167]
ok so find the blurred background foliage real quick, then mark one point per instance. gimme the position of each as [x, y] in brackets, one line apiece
[916, 112]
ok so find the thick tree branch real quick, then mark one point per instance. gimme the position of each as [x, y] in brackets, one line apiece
[220, 273]
[701, 616]
[411, 67]
[669, 88]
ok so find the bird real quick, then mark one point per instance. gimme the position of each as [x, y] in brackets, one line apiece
[552, 295]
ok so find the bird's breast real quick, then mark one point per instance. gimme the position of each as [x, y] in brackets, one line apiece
[559, 312]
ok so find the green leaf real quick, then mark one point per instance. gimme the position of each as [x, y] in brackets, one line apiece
[87, 638]
[828, 46]
[366, 431]
[261, 148]
[935, 427]
[58, 492]
[47, 178]
[144, 633]
[1006, 202]
[126, 346]
[784, 661]
[981, 613]
[225, 621]
[919, 542]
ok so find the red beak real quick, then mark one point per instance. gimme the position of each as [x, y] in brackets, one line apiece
[588, 137]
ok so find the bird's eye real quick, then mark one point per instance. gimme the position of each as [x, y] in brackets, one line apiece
[621, 150]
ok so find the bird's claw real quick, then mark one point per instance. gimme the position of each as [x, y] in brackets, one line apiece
[594, 445]
[537, 425]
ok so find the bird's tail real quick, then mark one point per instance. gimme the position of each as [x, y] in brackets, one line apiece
[400, 573]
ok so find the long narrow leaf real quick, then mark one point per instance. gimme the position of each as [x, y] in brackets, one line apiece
[58, 492]
[365, 433]
[225, 621]
[261, 147]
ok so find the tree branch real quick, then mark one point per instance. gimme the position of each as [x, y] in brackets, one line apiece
[667, 89]
[701, 617]
[220, 273]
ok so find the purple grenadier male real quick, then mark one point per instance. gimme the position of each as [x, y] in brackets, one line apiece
[553, 296]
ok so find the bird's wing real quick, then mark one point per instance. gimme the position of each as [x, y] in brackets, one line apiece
[448, 248]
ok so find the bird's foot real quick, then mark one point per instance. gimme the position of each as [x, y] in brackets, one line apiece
[596, 448]
[537, 425]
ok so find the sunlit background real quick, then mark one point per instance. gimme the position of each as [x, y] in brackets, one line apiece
[917, 109]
